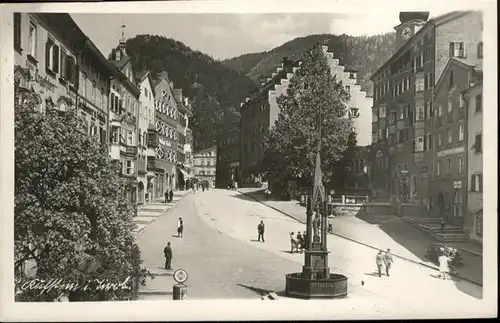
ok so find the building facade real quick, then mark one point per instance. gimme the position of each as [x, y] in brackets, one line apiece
[145, 121]
[184, 111]
[359, 105]
[205, 162]
[260, 111]
[228, 150]
[60, 64]
[123, 115]
[258, 114]
[402, 123]
[474, 106]
[166, 153]
[449, 179]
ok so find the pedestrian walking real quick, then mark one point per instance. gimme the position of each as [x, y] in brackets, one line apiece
[167, 251]
[260, 230]
[235, 185]
[380, 262]
[180, 228]
[171, 196]
[166, 196]
[443, 264]
[442, 224]
[388, 261]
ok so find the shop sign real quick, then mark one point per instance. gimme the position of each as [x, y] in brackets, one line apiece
[457, 184]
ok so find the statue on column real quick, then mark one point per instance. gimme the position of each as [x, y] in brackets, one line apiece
[316, 225]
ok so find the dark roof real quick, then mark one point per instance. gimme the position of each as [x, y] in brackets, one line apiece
[350, 68]
[139, 76]
[121, 63]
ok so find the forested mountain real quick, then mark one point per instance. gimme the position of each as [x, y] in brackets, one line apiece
[211, 85]
[365, 53]
[216, 86]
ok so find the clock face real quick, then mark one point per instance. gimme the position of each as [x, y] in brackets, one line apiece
[406, 33]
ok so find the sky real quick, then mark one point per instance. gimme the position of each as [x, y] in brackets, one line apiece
[228, 35]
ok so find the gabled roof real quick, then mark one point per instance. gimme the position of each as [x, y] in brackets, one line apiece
[453, 61]
[142, 75]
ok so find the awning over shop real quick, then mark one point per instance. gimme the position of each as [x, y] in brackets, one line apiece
[185, 174]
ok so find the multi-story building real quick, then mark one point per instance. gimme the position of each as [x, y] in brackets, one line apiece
[205, 162]
[188, 152]
[402, 122]
[358, 107]
[146, 121]
[63, 67]
[258, 114]
[123, 115]
[449, 179]
[166, 137]
[228, 149]
[260, 111]
[473, 97]
[184, 147]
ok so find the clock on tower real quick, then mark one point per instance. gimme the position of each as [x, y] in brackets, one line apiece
[406, 33]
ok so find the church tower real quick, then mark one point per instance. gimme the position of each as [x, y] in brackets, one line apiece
[411, 22]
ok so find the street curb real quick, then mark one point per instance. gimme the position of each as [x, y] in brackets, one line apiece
[136, 234]
[364, 244]
[452, 244]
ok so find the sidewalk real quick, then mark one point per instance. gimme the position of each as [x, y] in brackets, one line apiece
[377, 232]
[148, 213]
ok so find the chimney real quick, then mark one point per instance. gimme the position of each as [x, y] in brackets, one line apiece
[178, 94]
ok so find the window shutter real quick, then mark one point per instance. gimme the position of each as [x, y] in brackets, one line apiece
[68, 67]
[48, 44]
[452, 49]
[473, 183]
[55, 59]
[414, 146]
[480, 182]
[76, 74]
[425, 142]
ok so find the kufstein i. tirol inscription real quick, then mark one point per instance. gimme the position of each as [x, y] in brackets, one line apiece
[264, 163]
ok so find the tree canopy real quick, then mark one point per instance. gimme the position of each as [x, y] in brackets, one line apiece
[71, 218]
[313, 94]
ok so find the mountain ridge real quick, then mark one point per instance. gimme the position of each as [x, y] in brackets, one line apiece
[365, 53]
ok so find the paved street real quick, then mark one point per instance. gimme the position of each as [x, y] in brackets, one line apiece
[223, 259]
[384, 232]
[218, 266]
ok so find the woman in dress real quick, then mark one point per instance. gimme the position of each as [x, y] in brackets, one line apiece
[443, 264]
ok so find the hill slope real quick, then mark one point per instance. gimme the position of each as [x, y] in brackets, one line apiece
[364, 53]
[213, 86]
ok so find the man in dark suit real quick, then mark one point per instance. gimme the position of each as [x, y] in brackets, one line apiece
[260, 229]
[171, 195]
[168, 256]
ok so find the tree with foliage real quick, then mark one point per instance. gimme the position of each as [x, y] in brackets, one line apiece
[71, 218]
[313, 95]
[343, 175]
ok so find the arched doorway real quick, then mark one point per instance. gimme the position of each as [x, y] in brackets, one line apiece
[413, 186]
[458, 210]
[140, 188]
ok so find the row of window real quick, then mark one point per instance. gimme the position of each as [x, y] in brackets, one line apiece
[166, 109]
[166, 154]
[166, 130]
[121, 135]
[456, 49]
[206, 173]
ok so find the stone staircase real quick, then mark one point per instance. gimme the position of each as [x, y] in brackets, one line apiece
[432, 225]
[148, 213]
